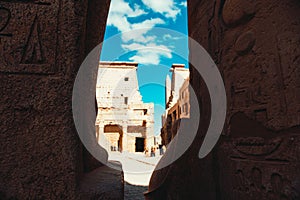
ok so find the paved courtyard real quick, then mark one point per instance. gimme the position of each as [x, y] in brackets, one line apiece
[137, 172]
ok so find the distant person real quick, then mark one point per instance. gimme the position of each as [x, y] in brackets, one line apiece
[152, 151]
[146, 151]
[160, 149]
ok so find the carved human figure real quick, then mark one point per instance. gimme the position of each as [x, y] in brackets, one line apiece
[256, 187]
[276, 188]
[242, 185]
[281, 189]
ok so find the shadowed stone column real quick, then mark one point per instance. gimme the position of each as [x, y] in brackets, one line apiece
[255, 45]
[42, 44]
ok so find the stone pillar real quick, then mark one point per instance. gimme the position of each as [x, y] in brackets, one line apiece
[255, 45]
[146, 142]
[124, 139]
[42, 44]
[102, 141]
[99, 130]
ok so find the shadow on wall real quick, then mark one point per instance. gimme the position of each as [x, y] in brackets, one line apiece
[255, 46]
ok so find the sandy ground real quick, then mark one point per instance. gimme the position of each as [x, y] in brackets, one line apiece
[136, 166]
[137, 172]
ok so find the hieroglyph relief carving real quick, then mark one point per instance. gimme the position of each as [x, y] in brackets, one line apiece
[28, 36]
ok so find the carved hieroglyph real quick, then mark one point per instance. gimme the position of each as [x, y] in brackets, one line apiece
[28, 36]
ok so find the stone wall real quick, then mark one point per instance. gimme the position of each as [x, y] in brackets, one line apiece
[255, 45]
[120, 103]
[42, 44]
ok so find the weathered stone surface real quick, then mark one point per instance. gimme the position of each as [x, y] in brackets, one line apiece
[29, 36]
[245, 43]
[122, 116]
[41, 49]
[236, 12]
[103, 183]
[254, 44]
[260, 165]
[134, 192]
[177, 102]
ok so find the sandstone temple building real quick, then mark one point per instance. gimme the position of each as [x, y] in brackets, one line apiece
[125, 121]
[177, 101]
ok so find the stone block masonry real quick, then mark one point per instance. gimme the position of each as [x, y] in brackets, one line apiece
[123, 118]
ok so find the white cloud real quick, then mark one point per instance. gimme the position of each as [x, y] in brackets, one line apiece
[149, 23]
[121, 7]
[136, 36]
[137, 31]
[118, 16]
[119, 12]
[146, 58]
[165, 7]
[170, 37]
[118, 21]
[162, 49]
[132, 46]
[136, 12]
[148, 53]
[184, 4]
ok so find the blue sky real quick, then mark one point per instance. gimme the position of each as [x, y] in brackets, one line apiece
[152, 33]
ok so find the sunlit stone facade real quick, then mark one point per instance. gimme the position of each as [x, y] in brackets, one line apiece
[177, 101]
[184, 99]
[124, 122]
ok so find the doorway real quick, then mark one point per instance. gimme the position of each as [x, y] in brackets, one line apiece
[114, 135]
[139, 144]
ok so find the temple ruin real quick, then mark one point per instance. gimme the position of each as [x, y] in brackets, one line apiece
[255, 45]
[125, 121]
[177, 101]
